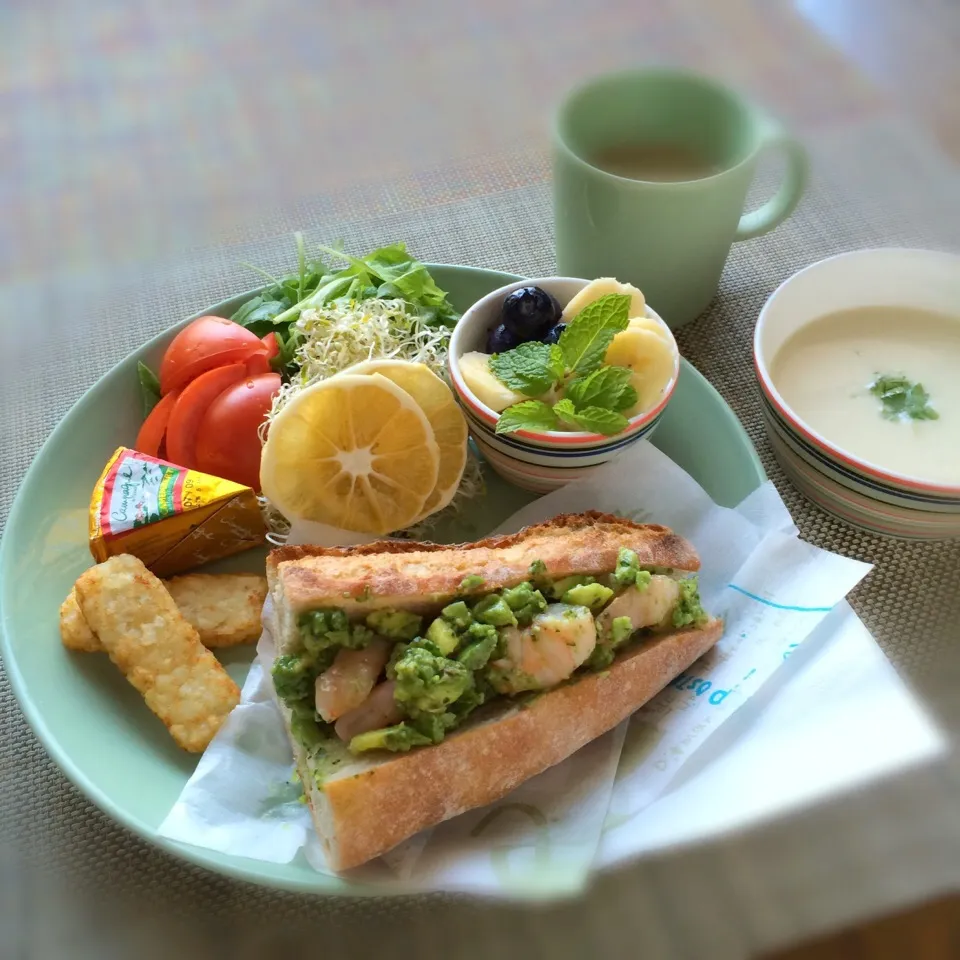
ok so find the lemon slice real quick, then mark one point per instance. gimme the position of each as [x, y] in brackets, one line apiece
[436, 401]
[355, 452]
[650, 357]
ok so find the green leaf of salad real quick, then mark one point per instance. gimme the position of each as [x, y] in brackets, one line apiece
[149, 388]
[607, 387]
[258, 315]
[591, 419]
[387, 273]
[531, 368]
[585, 340]
[527, 415]
[901, 399]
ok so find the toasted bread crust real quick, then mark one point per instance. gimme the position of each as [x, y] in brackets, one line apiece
[423, 575]
[366, 813]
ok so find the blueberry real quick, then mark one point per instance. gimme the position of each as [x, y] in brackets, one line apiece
[553, 334]
[528, 312]
[500, 339]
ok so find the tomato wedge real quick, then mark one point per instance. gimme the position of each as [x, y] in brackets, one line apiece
[206, 343]
[260, 363]
[270, 342]
[192, 404]
[151, 434]
[228, 442]
[257, 363]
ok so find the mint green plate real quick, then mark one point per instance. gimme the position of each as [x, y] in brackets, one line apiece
[94, 724]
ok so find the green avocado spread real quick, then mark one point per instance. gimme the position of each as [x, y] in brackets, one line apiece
[447, 666]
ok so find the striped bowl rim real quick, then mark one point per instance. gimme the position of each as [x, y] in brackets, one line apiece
[620, 440]
[828, 462]
[858, 509]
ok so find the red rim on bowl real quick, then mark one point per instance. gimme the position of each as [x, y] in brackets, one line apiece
[863, 466]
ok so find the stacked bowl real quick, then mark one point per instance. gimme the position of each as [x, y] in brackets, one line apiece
[540, 461]
[888, 493]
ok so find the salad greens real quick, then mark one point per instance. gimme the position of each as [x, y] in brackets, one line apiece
[387, 273]
[902, 400]
[595, 394]
[149, 388]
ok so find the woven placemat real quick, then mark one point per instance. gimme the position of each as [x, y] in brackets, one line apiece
[876, 184]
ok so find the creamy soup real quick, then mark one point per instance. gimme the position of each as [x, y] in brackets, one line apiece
[883, 383]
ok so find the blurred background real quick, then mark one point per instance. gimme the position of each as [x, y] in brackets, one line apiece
[132, 131]
[146, 149]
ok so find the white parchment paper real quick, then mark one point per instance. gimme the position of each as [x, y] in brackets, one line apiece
[773, 591]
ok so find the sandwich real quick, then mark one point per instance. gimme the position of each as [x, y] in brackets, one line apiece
[418, 680]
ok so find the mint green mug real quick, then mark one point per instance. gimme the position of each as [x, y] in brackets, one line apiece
[670, 236]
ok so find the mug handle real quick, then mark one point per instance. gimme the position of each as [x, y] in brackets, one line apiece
[783, 202]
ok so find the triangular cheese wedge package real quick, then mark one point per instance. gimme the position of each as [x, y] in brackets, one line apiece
[170, 517]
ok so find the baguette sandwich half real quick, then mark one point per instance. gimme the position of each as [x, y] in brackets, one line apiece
[418, 681]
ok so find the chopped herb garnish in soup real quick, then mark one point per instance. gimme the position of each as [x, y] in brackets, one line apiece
[903, 400]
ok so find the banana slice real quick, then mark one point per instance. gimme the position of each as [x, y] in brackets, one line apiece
[648, 323]
[476, 372]
[650, 357]
[596, 289]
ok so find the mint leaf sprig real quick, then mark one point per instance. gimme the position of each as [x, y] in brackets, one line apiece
[595, 394]
[531, 369]
[901, 399]
[585, 340]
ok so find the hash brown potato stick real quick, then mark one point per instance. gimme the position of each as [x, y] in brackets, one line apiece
[157, 650]
[224, 609]
[75, 632]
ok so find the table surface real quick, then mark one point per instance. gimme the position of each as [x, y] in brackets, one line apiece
[135, 136]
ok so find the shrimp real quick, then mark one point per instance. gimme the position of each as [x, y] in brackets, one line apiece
[348, 682]
[646, 607]
[378, 710]
[547, 651]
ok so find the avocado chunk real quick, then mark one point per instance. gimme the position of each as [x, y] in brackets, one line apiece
[398, 738]
[592, 595]
[472, 582]
[559, 587]
[601, 658]
[395, 624]
[433, 726]
[475, 655]
[689, 611]
[628, 572]
[525, 601]
[321, 622]
[427, 683]
[493, 609]
[620, 629]
[328, 629]
[458, 614]
[443, 635]
[480, 631]
[292, 678]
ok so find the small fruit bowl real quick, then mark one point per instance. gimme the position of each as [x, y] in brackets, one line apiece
[544, 460]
